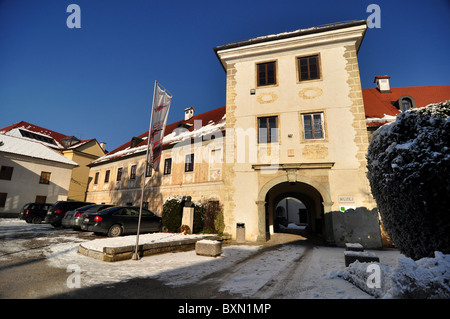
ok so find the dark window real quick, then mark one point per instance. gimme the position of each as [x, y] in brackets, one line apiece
[148, 170]
[308, 68]
[107, 176]
[313, 126]
[406, 104]
[167, 166]
[189, 164]
[96, 178]
[119, 174]
[3, 199]
[40, 199]
[133, 172]
[45, 178]
[37, 137]
[6, 172]
[267, 129]
[266, 73]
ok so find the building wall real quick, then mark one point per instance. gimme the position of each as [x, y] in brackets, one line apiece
[335, 166]
[24, 185]
[204, 182]
[82, 155]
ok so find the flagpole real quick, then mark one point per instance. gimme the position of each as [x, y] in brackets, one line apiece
[149, 144]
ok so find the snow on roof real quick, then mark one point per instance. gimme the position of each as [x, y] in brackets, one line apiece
[298, 32]
[16, 132]
[25, 147]
[174, 133]
[42, 135]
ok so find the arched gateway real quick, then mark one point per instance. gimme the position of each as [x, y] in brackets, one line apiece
[312, 194]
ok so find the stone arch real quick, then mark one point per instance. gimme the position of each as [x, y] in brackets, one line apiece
[304, 188]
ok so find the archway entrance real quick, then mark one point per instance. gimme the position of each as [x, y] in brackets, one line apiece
[290, 213]
[295, 208]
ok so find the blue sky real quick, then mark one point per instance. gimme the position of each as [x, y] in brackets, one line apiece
[97, 81]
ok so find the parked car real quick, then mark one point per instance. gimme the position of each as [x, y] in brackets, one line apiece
[57, 212]
[74, 218]
[34, 213]
[120, 220]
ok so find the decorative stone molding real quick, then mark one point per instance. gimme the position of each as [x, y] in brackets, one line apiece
[265, 98]
[310, 93]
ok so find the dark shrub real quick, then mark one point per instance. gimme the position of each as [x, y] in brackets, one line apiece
[172, 215]
[409, 173]
[213, 217]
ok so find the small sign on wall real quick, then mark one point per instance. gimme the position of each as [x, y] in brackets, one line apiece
[346, 199]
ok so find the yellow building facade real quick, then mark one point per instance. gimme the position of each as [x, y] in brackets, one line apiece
[294, 126]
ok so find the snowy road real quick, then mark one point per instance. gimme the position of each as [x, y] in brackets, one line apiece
[292, 270]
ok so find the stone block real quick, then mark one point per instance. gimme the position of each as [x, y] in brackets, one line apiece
[188, 218]
[210, 248]
[361, 256]
[354, 247]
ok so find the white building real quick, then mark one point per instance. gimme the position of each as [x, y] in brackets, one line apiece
[31, 172]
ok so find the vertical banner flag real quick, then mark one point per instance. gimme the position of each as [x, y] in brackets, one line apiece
[161, 105]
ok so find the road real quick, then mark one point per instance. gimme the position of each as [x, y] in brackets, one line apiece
[288, 266]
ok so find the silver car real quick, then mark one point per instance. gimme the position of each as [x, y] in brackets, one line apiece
[73, 218]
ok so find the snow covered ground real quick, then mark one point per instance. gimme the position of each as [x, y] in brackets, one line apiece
[252, 271]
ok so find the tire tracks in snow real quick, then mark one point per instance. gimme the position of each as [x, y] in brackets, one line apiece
[290, 278]
[261, 274]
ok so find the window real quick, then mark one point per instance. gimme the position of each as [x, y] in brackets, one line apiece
[6, 172]
[268, 129]
[3, 199]
[107, 176]
[96, 178]
[215, 160]
[40, 199]
[133, 172]
[38, 137]
[308, 68]
[45, 178]
[189, 164]
[119, 174]
[148, 170]
[266, 73]
[167, 166]
[406, 104]
[313, 126]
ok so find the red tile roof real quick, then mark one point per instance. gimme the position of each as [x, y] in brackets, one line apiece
[215, 116]
[377, 104]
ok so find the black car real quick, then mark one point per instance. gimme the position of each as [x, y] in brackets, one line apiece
[119, 220]
[57, 212]
[34, 213]
[74, 218]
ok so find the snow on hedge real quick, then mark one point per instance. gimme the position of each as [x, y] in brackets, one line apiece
[408, 165]
[424, 278]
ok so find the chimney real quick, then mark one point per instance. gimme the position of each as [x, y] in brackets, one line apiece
[188, 113]
[382, 82]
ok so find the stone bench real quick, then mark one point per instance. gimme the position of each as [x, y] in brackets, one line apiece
[361, 256]
[210, 248]
[354, 247]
